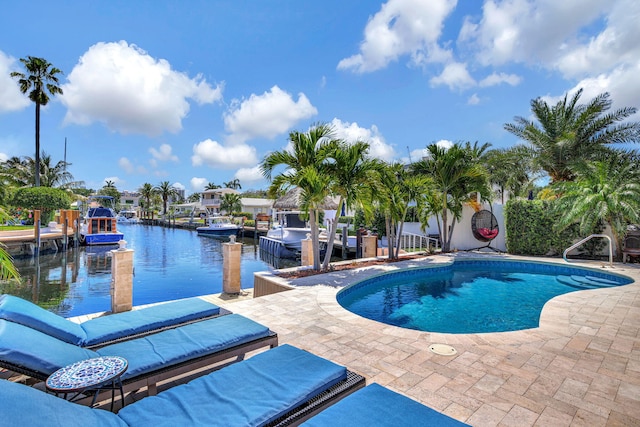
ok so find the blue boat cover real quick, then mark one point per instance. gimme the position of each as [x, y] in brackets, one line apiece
[105, 328]
[379, 406]
[253, 392]
[39, 352]
[26, 406]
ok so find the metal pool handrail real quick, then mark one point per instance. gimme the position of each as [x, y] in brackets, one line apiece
[575, 245]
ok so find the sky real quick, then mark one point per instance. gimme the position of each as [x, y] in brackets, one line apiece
[193, 92]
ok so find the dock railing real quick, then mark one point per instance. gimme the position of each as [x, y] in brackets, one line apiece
[410, 242]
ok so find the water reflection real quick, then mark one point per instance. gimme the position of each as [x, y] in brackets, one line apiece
[168, 264]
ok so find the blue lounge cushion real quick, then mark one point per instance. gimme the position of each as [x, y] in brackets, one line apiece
[105, 328]
[34, 350]
[26, 406]
[253, 392]
[379, 406]
[42, 353]
[184, 343]
[29, 314]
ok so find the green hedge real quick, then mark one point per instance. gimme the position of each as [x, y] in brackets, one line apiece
[530, 229]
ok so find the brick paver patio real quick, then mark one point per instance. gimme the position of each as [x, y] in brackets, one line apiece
[580, 367]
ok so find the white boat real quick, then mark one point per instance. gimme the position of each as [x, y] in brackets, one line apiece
[98, 226]
[220, 227]
[128, 217]
[290, 230]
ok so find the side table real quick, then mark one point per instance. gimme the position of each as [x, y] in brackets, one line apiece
[98, 373]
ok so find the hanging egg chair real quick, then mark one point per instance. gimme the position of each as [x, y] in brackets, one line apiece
[484, 226]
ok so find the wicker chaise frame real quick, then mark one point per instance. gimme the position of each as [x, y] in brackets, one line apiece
[151, 379]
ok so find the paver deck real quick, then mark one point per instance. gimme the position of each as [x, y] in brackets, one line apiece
[580, 367]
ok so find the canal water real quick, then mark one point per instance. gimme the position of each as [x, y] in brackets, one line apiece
[169, 263]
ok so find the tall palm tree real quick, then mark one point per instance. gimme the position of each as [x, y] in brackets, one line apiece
[458, 176]
[568, 132]
[306, 167]
[511, 170]
[109, 184]
[231, 203]
[351, 172]
[165, 190]
[605, 190]
[146, 192]
[41, 79]
[234, 183]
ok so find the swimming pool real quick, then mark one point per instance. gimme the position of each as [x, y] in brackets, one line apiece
[469, 296]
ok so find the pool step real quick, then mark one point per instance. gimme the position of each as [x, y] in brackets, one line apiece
[585, 282]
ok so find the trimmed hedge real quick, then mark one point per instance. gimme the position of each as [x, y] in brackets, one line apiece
[530, 229]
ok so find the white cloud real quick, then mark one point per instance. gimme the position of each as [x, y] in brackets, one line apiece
[351, 132]
[455, 76]
[179, 186]
[267, 115]
[402, 27]
[473, 99]
[126, 165]
[116, 181]
[444, 143]
[11, 99]
[249, 175]
[499, 78]
[123, 87]
[163, 154]
[214, 154]
[3, 157]
[198, 184]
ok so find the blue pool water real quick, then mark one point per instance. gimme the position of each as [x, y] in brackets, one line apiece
[169, 263]
[469, 296]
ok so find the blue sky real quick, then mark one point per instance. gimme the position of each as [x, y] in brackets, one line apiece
[193, 92]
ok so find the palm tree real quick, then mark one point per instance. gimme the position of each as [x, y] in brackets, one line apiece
[7, 269]
[231, 203]
[457, 176]
[352, 173]
[22, 172]
[146, 192]
[605, 190]
[109, 184]
[211, 186]
[165, 190]
[234, 183]
[568, 132]
[510, 169]
[307, 168]
[41, 75]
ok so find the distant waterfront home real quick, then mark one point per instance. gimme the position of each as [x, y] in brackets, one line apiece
[256, 206]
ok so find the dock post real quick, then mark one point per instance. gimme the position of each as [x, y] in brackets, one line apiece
[369, 246]
[36, 231]
[306, 256]
[231, 252]
[121, 278]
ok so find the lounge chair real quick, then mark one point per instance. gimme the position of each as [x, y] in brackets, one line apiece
[107, 329]
[152, 359]
[379, 406]
[276, 387]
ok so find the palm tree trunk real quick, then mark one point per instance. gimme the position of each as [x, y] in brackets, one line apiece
[314, 239]
[37, 157]
[445, 234]
[333, 227]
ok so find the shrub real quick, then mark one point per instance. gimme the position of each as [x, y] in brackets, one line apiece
[530, 229]
[46, 199]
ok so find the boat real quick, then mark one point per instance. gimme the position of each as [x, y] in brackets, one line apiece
[220, 227]
[284, 239]
[128, 217]
[98, 226]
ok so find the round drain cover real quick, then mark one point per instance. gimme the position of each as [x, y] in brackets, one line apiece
[442, 349]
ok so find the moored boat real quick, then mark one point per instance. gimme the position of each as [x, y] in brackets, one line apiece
[98, 225]
[219, 227]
